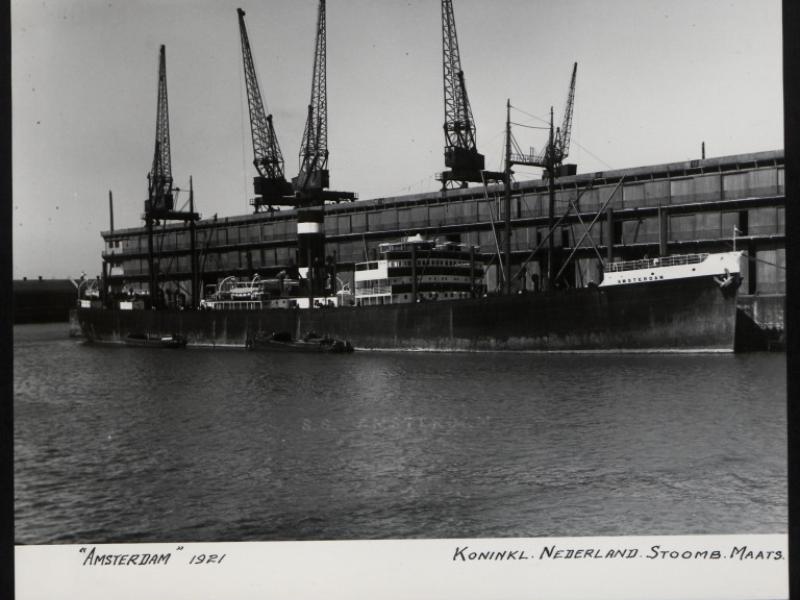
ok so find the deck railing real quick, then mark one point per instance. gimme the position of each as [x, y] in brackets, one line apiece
[649, 263]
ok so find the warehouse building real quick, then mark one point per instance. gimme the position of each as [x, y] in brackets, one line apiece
[694, 206]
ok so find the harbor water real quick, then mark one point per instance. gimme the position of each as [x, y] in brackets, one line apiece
[117, 444]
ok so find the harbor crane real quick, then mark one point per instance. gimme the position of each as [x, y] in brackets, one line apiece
[562, 135]
[460, 152]
[310, 185]
[160, 177]
[313, 177]
[270, 185]
[160, 204]
[551, 158]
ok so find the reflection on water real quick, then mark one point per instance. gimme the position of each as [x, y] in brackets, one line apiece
[136, 444]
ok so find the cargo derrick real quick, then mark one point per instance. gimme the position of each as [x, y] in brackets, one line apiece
[310, 185]
[551, 159]
[270, 185]
[460, 151]
[160, 205]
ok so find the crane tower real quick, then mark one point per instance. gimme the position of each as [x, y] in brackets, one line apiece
[270, 184]
[160, 176]
[160, 204]
[313, 176]
[460, 152]
[551, 158]
[310, 185]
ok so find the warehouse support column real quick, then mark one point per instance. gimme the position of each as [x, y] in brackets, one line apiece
[472, 271]
[752, 272]
[151, 266]
[195, 287]
[663, 230]
[334, 275]
[413, 273]
[310, 278]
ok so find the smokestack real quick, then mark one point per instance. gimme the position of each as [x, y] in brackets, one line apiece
[111, 210]
[703, 151]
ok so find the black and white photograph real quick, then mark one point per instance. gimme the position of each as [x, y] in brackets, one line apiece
[371, 270]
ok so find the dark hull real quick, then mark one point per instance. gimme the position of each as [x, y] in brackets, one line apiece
[298, 346]
[666, 315]
[155, 342]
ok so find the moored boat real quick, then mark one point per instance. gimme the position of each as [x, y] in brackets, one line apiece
[155, 341]
[312, 343]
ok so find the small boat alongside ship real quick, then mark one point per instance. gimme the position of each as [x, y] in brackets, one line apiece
[146, 340]
[310, 343]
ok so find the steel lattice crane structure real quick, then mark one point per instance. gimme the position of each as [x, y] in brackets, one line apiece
[310, 185]
[551, 159]
[313, 175]
[270, 185]
[460, 151]
[160, 204]
[308, 191]
[562, 137]
[313, 178]
[160, 176]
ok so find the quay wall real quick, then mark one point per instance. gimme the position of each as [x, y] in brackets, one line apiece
[43, 300]
[760, 322]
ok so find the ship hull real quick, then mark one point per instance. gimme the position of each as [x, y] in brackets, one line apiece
[687, 315]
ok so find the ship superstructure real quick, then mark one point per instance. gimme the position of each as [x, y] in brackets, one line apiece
[419, 270]
[724, 267]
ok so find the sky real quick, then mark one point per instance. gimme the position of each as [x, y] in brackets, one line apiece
[655, 80]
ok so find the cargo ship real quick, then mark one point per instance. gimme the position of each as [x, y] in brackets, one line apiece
[425, 296]
[314, 260]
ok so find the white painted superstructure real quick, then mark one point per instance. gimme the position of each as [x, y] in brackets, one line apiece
[722, 265]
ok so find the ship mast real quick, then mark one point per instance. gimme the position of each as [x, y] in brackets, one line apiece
[551, 160]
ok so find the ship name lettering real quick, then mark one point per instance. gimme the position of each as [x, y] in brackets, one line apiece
[121, 560]
[465, 555]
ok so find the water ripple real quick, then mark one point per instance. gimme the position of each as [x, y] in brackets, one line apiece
[131, 445]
